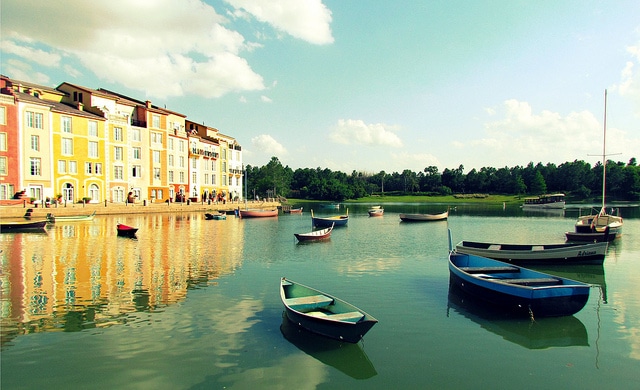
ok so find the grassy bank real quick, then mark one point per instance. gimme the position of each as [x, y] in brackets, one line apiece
[449, 199]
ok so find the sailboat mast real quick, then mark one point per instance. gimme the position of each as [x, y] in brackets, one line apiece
[604, 155]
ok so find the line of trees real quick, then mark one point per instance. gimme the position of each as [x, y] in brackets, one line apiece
[578, 179]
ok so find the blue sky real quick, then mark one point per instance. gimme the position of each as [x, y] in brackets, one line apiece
[353, 85]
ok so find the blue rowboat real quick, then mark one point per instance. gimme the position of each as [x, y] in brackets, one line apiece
[323, 222]
[515, 288]
[323, 314]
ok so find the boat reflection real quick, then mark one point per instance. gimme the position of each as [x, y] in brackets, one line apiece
[587, 273]
[543, 333]
[346, 357]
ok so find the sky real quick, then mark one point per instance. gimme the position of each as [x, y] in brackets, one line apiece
[357, 86]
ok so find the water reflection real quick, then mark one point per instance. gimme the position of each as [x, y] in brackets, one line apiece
[349, 358]
[82, 275]
[540, 334]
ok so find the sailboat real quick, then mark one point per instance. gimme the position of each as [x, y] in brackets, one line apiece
[600, 226]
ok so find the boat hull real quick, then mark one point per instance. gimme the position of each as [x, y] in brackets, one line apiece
[70, 218]
[341, 220]
[424, 217]
[318, 235]
[126, 231]
[307, 316]
[565, 298]
[567, 253]
[258, 213]
[18, 226]
[376, 212]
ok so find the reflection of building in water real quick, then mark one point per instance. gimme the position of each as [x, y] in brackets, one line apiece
[81, 275]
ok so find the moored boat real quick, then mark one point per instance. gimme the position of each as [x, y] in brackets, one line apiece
[126, 230]
[563, 253]
[289, 210]
[601, 225]
[219, 216]
[25, 225]
[336, 220]
[258, 213]
[316, 235]
[376, 211]
[424, 217]
[515, 288]
[324, 314]
[70, 218]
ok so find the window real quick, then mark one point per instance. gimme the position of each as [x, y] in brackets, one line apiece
[93, 129]
[118, 173]
[66, 124]
[67, 146]
[181, 146]
[136, 171]
[171, 160]
[36, 166]
[117, 153]
[88, 168]
[156, 138]
[3, 142]
[181, 159]
[98, 168]
[34, 119]
[181, 177]
[62, 166]
[156, 156]
[3, 165]
[73, 167]
[3, 115]
[224, 180]
[117, 133]
[171, 176]
[155, 120]
[213, 179]
[170, 143]
[206, 179]
[93, 149]
[194, 162]
[194, 178]
[35, 143]
[156, 173]
[135, 134]
[137, 153]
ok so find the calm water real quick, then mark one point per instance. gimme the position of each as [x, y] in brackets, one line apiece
[194, 304]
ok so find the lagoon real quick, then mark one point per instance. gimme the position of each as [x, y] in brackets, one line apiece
[194, 304]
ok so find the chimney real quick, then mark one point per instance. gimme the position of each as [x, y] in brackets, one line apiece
[148, 103]
[80, 106]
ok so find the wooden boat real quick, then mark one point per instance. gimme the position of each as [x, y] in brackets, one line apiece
[376, 211]
[317, 235]
[424, 217]
[515, 288]
[218, 216]
[70, 218]
[292, 211]
[258, 213]
[547, 201]
[588, 227]
[591, 236]
[564, 253]
[126, 231]
[25, 225]
[336, 220]
[324, 314]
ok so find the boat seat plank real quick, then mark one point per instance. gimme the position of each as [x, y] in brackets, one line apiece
[532, 281]
[352, 316]
[309, 302]
[489, 270]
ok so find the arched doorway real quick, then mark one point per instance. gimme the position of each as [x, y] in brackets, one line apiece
[94, 193]
[67, 193]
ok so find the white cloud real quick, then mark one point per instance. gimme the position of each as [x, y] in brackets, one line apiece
[356, 132]
[309, 20]
[268, 145]
[177, 48]
[265, 99]
[630, 77]
[22, 71]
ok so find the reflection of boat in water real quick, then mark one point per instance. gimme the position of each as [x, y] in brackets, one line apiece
[539, 334]
[346, 357]
[589, 273]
